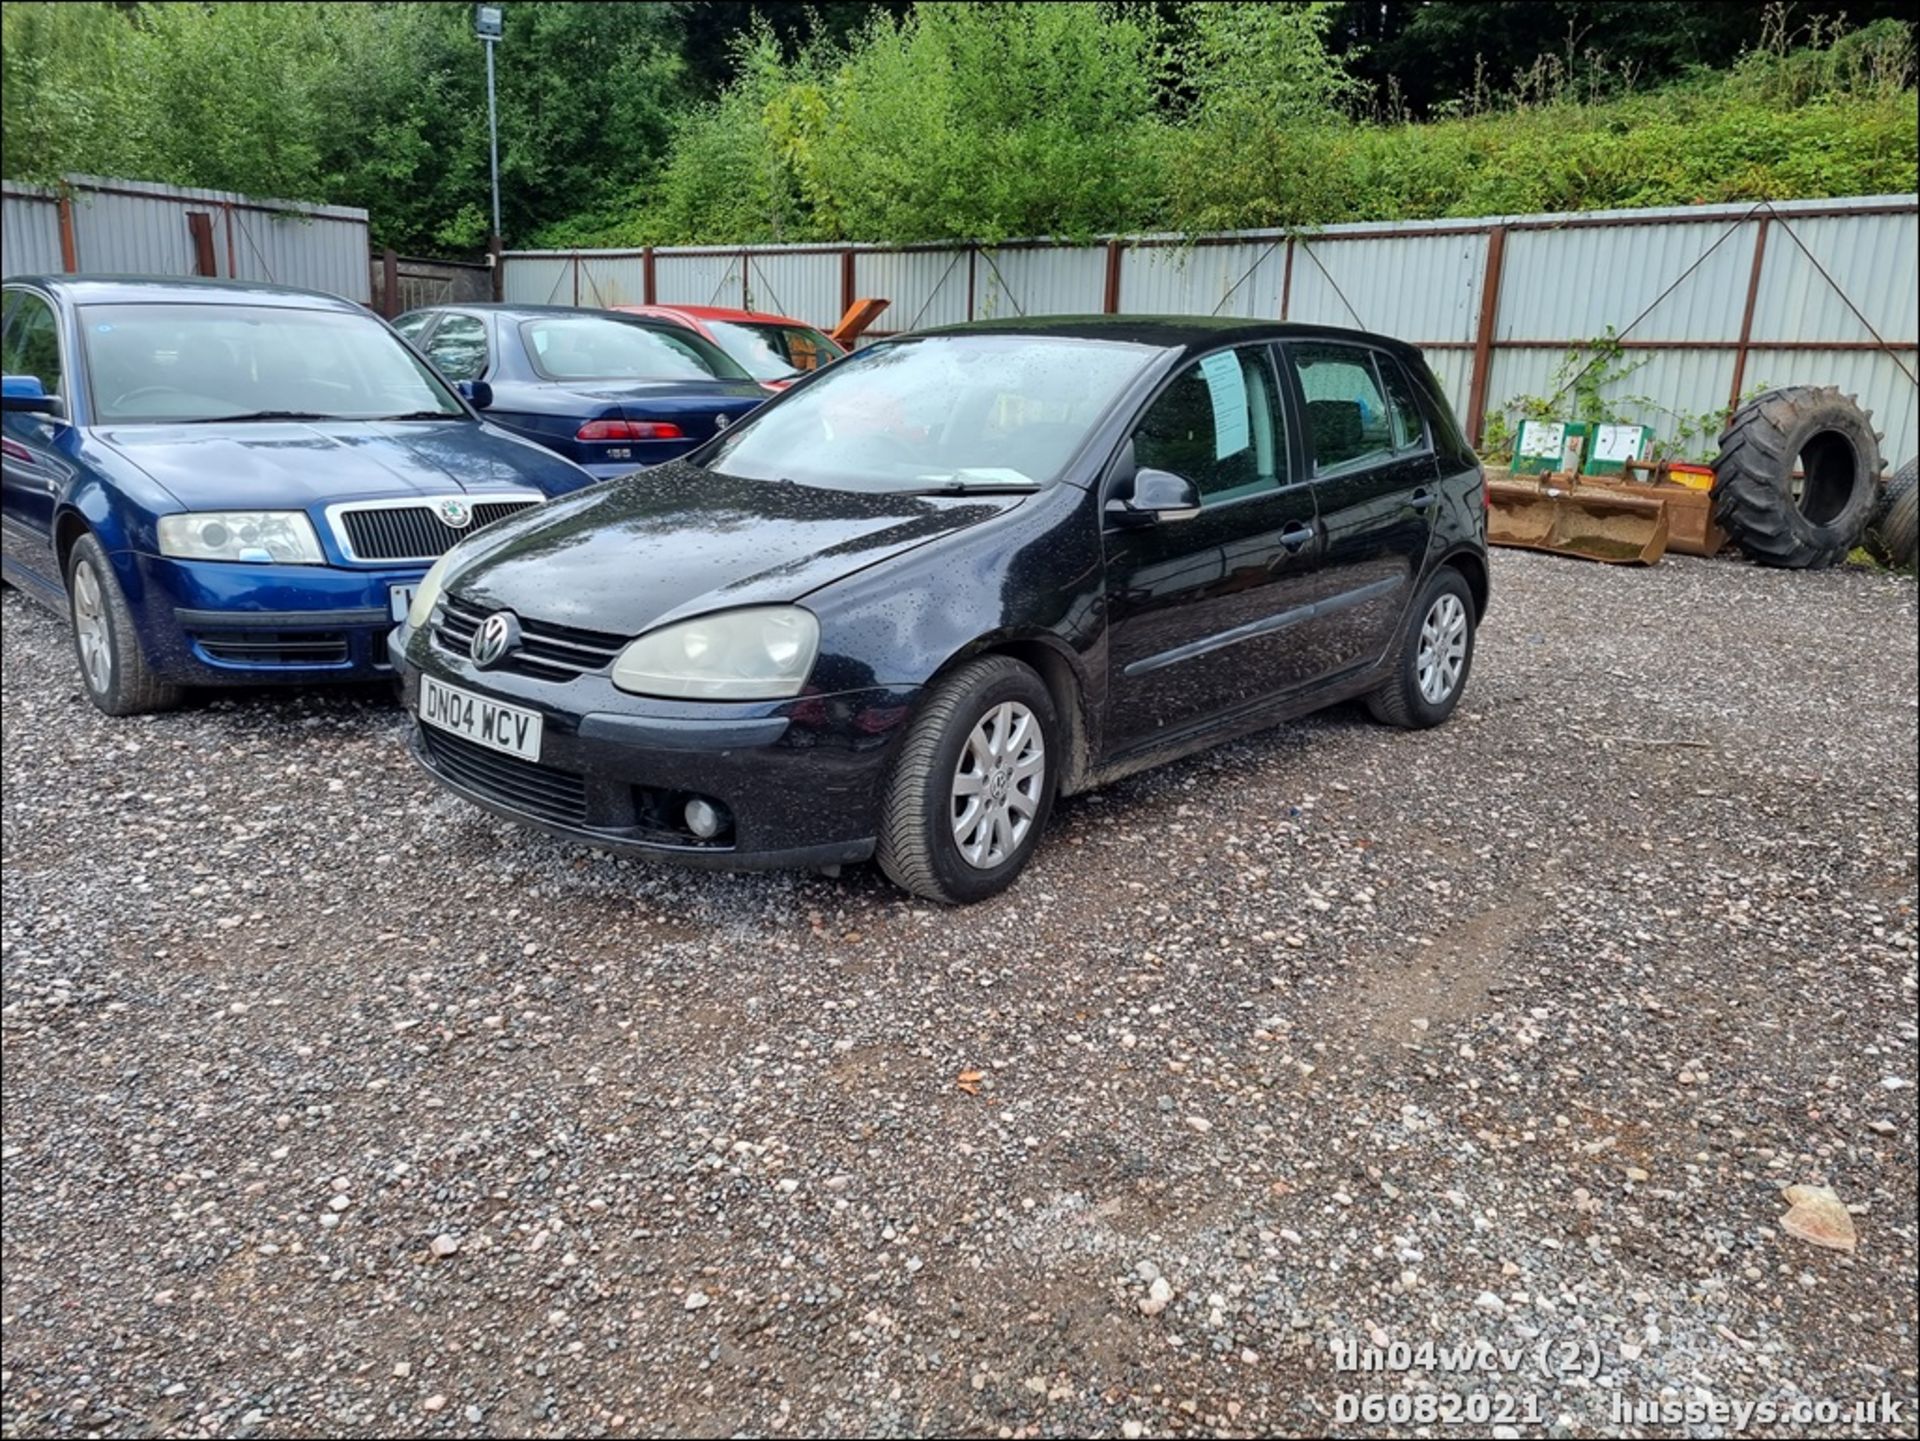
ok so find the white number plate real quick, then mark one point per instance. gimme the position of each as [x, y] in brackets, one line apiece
[399, 598]
[506, 728]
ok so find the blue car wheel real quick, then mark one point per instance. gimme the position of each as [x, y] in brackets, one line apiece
[112, 667]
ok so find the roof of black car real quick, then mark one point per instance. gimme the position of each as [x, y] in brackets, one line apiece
[1166, 332]
[178, 289]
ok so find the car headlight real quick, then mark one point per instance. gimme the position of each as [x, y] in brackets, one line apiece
[762, 653]
[426, 595]
[261, 536]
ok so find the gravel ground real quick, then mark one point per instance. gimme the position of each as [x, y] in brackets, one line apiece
[331, 1105]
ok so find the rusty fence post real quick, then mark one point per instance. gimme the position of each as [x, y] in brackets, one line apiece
[848, 283]
[389, 282]
[1746, 316]
[1112, 302]
[1286, 281]
[649, 279]
[69, 251]
[1483, 336]
[498, 267]
[200, 232]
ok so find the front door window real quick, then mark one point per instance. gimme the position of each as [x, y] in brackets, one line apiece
[1218, 424]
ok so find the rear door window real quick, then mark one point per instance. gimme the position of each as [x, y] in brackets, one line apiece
[1409, 421]
[459, 347]
[1349, 422]
[1219, 425]
[415, 325]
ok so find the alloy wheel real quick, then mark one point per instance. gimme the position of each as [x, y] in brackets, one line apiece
[90, 628]
[998, 784]
[1443, 649]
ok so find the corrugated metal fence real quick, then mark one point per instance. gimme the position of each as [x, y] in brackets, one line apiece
[1707, 303]
[407, 282]
[137, 228]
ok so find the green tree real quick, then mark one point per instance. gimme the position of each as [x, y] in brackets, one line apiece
[981, 120]
[1265, 92]
[67, 99]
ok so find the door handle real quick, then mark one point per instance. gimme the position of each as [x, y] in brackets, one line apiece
[1295, 535]
[1423, 499]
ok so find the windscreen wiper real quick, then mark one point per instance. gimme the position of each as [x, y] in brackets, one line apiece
[974, 487]
[420, 415]
[261, 415]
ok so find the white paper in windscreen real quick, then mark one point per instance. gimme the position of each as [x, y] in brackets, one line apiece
[1228, 388]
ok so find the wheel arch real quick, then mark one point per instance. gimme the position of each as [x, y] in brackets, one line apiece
[1473, 566]
[68, 526]
[1060, 671]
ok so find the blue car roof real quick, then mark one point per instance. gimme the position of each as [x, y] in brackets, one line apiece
[178, 290]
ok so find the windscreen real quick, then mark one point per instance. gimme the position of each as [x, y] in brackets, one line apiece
[194, 363]
[594, 347]
[944, 409]
[774, 352]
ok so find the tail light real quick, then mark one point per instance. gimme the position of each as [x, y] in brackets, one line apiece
[629, 430]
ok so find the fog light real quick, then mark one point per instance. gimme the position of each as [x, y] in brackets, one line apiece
[704, 818]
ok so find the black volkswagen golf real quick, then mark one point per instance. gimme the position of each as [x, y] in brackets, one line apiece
[904, 606]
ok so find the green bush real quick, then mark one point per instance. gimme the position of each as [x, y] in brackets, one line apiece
[985, 122]
[956, 120]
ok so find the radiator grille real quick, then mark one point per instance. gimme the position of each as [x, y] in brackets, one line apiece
[546, 651]
[275, 647]
[414, 532]
[519, 785]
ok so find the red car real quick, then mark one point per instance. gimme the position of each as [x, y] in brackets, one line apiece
[774, 350]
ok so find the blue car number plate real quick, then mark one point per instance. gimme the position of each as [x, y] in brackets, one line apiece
[506, 728]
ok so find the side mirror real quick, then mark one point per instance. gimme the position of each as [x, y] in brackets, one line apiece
[476, 393]
[25, 393]
[1158, 495]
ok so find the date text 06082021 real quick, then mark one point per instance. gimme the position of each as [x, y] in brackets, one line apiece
[1484, 1409]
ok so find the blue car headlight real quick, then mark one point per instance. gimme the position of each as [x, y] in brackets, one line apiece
[262, 537]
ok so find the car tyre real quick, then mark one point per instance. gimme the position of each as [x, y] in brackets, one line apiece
[112, 667]
[973, 785]
[1435, 657]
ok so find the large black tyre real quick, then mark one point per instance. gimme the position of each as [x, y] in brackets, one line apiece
[112, 668]
[1755, 498]
[1890, 538]
[985, 748]
[1435, 658]
[1897, 532]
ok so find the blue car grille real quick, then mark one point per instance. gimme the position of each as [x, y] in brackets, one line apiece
[519, 785]
[414, 532]
[546, 651]
[275, 647]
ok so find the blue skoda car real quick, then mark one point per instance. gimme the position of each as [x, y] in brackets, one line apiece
[234, 484]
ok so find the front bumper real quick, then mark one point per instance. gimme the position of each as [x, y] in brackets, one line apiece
[207, 622]
[799, 780]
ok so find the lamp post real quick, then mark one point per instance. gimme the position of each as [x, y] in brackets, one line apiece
[488, 25]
